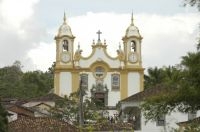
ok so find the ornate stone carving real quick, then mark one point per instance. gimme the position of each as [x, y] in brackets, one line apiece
[120, 53]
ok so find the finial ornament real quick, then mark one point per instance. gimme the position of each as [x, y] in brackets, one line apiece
[64, 18]
[132, 19]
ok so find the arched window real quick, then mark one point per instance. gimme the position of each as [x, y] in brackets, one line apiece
[65, 45]
[115, 80]
[133, 46]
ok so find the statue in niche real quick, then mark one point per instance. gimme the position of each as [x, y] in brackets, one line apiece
[77, 54]
[120, 54]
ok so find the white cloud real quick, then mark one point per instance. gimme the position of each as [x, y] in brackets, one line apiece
[43, 56]
[14, 12]
[19, 31]
[166, 38]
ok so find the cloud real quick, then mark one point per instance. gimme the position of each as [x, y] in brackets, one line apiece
[15, 12]
[20, 31]
[24, 38]
[43, 56]
[165, 38]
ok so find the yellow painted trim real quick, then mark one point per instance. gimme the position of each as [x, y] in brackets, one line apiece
[57, 83]
[125, 38]
[134, 67]
[63, 67]
[101, 64]
[75, 81]
[112, 58]
[124, 85]
[90, 56]
[99, 45]
[64, 36]
[94, 47]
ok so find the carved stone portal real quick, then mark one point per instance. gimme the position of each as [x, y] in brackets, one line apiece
[100, 92]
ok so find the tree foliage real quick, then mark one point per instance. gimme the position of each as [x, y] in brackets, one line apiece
[170, 75]
[182, 83]
[16, 83]
[67, 109]
[3, 120]
[192, 3]
[183, 88]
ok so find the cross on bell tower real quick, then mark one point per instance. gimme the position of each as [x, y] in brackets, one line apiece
[99, 33]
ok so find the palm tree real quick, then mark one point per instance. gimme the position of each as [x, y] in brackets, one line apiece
[155, 76]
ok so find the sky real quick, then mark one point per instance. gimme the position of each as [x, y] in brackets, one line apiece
[28, 28]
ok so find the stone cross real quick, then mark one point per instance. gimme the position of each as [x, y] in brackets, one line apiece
[99, 33]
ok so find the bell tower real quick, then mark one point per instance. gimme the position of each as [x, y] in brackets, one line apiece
[64, 59]
[64, 45]
[132, 45]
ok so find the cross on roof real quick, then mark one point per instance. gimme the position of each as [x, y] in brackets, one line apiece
[99, 33]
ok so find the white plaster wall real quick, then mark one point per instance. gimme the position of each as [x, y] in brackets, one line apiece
[174, 118]
[91, 81]
[171, 121]
[133, 83]
[198, 113]
[12, 117]
[100, 55]
[113, 95]
[65, 83]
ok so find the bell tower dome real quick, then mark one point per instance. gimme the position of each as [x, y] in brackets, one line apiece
[132, 45]
[65, 28]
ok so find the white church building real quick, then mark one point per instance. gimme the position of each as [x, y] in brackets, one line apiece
[108, 79]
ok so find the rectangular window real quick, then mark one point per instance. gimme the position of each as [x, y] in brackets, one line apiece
[115, 80]
[160, 120]
[192, 115]
[84, 79]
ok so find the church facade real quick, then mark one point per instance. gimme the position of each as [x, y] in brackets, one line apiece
[108, 79]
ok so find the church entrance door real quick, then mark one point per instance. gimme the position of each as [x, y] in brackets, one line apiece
[100, 98]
